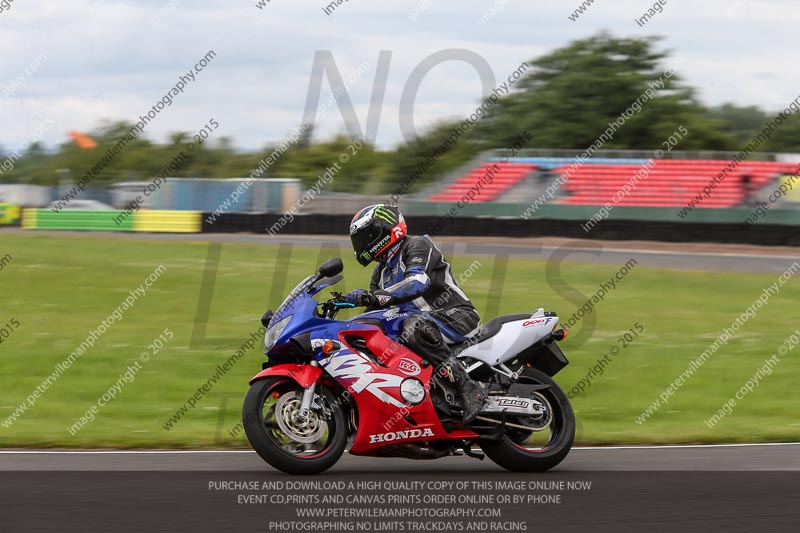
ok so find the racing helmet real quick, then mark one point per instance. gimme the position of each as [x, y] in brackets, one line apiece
[374, 230]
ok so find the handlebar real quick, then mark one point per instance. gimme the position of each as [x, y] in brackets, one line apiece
[332, 306]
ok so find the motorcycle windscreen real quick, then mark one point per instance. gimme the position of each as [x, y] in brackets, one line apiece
[290, 300]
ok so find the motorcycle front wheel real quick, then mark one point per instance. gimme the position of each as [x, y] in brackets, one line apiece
[535, 445]
[284, 440]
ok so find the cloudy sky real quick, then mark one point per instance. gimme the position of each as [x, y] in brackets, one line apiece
[69, 65]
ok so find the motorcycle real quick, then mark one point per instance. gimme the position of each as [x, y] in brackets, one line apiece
[331, 383]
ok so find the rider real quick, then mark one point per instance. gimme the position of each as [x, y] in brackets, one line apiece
[412, 273]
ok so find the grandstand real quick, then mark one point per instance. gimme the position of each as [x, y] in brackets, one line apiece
[667, 183]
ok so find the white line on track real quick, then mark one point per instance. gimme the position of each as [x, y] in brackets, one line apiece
[117, 452]
[590, 247]
[665, 252]
[167, 452]
[672, 446]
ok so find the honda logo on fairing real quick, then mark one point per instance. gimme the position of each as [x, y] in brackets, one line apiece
[400, 435]
[393, 314]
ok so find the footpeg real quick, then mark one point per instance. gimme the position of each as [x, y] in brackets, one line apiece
[447, 373]
[468, 451]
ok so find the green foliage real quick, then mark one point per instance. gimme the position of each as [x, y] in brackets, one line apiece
[741, 123]
[786, 138]
[744, 124]
[405, 161]
[356, 164]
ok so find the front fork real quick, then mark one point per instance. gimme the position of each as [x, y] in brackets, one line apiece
[308, 399]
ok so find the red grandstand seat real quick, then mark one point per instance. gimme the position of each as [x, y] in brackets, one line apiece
[667, 183]
[506, 176]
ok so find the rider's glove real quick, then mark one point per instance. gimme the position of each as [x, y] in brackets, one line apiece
[361, 297]
[357, 297]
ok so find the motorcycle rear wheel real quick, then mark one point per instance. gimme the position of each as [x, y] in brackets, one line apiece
[300, 448]
[510, 450]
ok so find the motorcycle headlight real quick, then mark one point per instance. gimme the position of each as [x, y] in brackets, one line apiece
[274, 332]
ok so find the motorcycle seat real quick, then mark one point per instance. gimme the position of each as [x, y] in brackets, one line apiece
[492, 328]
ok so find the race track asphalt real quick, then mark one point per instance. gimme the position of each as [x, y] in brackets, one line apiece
[732, 457]
[729, 488]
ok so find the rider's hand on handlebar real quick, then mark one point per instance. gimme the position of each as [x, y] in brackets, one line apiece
[365, 298]
[358, 297]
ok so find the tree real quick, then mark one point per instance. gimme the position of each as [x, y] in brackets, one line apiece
[431, 155]
[572, 94]
[741, 123]
[357, 166]
[785, 138]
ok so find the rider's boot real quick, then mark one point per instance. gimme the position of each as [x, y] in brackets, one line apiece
[471, 393]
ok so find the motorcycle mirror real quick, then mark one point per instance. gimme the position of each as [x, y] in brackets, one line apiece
[331, 267]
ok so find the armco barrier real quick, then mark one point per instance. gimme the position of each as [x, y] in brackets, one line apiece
[775, 231]
[74, 219]
[143, 221]
[612, 229]
[10, 214]
[263, 223]
[167, 221]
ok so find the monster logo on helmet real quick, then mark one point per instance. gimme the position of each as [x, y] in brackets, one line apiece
[385, 214]
[379, 246]
[374, 230]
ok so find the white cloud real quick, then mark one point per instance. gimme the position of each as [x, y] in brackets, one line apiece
[109, 62]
